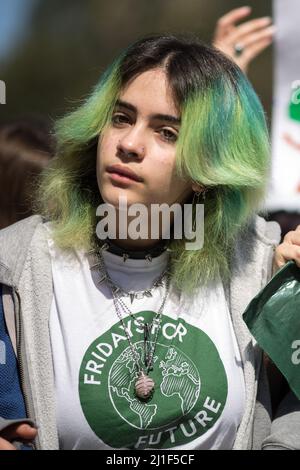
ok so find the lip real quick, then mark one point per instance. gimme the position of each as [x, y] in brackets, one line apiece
[123, 172]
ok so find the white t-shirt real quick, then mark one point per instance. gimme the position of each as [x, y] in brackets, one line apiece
[199, 395]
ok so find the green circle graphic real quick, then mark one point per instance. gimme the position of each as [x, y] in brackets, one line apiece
[190, 386]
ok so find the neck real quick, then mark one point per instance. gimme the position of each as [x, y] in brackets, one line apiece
[139, 244]
[141, 253]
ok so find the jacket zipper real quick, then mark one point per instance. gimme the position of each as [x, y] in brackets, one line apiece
[24, 381]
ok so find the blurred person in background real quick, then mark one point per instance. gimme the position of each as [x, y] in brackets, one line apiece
[26, 147]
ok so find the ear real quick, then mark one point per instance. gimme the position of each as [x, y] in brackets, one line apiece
[197, 188]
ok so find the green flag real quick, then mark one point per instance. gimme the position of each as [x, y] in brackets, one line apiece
[273, 318]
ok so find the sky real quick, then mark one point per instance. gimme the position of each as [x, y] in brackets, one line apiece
[14, 16]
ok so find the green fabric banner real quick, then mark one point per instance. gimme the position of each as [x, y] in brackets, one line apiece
[273, 318]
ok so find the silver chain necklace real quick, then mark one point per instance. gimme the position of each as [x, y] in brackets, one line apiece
[118, 290]
[144, 385]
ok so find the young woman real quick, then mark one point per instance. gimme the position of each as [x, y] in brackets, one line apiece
[139, 343]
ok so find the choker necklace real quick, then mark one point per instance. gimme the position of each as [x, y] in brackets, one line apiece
[144, 385]
[147, 254]
[118, 290]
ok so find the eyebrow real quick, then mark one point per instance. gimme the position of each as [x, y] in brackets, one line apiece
[161, 117]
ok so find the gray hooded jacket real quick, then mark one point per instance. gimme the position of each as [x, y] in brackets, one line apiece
[25, 273]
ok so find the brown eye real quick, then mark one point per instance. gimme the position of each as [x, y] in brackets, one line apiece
[119, 119]
[168, 135]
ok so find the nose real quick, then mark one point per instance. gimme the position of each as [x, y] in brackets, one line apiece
[132, 144]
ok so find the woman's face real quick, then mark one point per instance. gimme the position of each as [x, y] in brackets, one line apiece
[141, 138]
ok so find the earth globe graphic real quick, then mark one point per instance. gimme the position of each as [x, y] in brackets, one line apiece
[177, 387]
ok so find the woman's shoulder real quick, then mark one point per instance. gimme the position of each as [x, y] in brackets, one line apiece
[20, 231]
[260, 231]
[15, 241]
[268, 232]
[253, 252]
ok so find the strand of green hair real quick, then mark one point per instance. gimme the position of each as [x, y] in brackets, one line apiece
[68, 193]
[223, 146]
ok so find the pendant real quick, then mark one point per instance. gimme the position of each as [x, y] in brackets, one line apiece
[144, 386]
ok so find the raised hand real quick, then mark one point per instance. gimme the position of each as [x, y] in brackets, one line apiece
[243, 42]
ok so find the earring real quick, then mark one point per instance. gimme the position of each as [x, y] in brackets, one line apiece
[199, 195]
[196, 197]
[195, 201]
[203, 194]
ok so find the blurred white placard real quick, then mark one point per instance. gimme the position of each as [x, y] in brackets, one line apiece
[284, 192]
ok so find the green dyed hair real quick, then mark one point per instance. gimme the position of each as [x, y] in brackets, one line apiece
[223, 145]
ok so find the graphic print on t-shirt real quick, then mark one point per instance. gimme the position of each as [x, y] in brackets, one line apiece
[190, 385]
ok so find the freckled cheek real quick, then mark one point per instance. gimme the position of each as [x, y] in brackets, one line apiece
[163, 170]
[106, 151]
[165, 161]
[167, 179]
